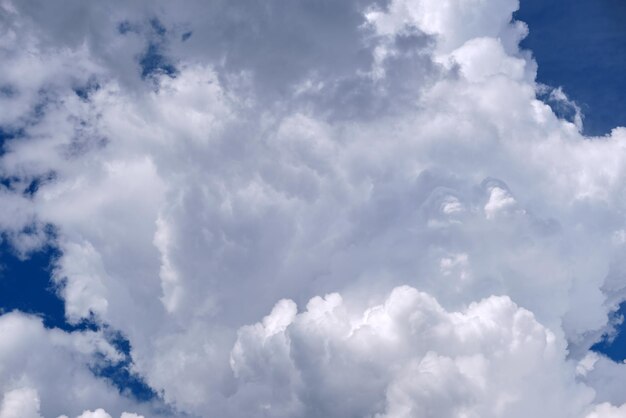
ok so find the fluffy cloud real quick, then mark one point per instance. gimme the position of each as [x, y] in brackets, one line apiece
[20, 403]
[405, 357]
[606, 410]
[201, 163]
[51, 370]
[101, 413]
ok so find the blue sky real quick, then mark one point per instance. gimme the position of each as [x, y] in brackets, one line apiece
[308, 209]
[581, 45]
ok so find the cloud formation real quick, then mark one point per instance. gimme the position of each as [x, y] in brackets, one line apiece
[205, 165]
[47, 372]
[404, 358]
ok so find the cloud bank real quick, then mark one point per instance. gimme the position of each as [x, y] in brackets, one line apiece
[309, 208]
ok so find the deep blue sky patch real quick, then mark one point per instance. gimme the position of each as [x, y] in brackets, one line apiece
[581, 46]
[120, 374]
[25, 285]
[153, 62]
[615, 347]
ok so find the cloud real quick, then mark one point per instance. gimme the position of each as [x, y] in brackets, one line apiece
[405, 357]
[101, 413]
[49, 370]
[20, 403]
[286, 151]
[606, 410]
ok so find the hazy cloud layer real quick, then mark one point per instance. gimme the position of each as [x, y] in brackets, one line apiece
[307, 208]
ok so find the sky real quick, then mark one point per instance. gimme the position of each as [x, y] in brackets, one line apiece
[581, 46]
[368, 208]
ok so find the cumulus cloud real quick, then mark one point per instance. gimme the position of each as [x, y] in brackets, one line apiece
[48, 372]
[203, 164]
[405, 357]
[606, 410]
[101, 413]
[20, 403]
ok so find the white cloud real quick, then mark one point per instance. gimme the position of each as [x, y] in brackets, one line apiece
[101, 413]
[606, 410]
[20, 403]
[49, 370]
[98, 413]
[405, 357]
[306, 149]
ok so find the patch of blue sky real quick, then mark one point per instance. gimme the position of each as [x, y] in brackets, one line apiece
[158, 27]
[6, 134]
[580, 45]
[120, 374]
[26, 286]
[614, 345]
[154, 62]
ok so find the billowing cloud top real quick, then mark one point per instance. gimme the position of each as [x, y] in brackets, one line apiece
[307, 208]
